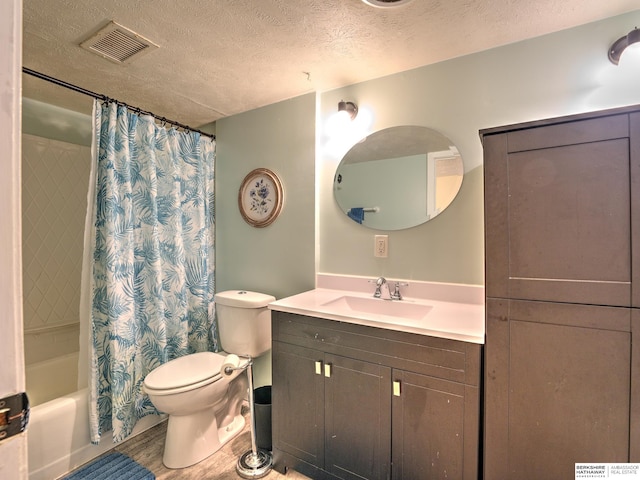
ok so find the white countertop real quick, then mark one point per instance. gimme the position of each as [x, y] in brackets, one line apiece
[444, 319]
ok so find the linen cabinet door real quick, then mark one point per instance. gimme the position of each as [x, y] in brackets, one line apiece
[435, 431]
[298, 404]
[357, 419]
[558, 224]
[557, 388]
[634, 153]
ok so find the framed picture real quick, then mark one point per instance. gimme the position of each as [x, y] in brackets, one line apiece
[260, 197]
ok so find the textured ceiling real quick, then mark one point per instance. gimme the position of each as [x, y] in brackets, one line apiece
[222, 57]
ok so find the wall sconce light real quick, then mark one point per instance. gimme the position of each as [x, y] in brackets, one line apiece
[349, 107]
[622, 43]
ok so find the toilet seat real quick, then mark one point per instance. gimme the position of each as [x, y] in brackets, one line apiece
[185, 373]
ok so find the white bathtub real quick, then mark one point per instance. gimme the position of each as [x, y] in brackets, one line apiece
[58, 436]
[52, 378]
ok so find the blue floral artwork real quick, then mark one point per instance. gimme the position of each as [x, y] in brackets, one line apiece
[261, 197]
[260, 200]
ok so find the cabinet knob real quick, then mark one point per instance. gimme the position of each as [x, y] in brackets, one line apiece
[318, 367]
[327, 370]
[396, 388]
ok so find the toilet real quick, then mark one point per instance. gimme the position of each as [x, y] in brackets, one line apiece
[202, 398]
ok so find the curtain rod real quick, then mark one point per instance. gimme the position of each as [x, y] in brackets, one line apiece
[104, 98]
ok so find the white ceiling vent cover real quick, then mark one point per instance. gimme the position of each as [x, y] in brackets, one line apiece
[118, 44]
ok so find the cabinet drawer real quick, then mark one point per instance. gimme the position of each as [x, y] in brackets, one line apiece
[437, 357]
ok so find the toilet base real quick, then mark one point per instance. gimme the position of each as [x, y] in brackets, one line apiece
[192, 438]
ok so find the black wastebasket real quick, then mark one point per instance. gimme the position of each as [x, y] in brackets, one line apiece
[262, 402]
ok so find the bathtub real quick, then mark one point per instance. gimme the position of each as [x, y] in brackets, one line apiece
[51, 378]
[58, 436]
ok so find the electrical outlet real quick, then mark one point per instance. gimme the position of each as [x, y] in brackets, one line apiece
[381, 246]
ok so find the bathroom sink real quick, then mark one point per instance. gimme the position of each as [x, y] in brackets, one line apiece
[377, 306]
[449, 311]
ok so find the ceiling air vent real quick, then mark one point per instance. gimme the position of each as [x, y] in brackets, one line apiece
[118, 44]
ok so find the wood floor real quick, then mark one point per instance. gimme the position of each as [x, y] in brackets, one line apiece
[147, 448]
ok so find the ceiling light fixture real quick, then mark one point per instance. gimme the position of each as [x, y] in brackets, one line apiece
[622, 43]
[349, 107]
[386, 3]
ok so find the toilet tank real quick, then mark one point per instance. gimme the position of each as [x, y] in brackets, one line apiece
[244, 322]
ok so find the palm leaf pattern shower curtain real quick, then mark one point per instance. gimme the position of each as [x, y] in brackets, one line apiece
[153, 259]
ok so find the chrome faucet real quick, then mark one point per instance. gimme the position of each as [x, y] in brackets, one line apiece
[396, 295]
[382, 289]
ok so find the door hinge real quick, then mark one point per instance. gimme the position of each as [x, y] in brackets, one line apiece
[14, 415]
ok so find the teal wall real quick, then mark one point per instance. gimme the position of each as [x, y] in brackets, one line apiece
[55, 123]
[558, 74]
[278, 259]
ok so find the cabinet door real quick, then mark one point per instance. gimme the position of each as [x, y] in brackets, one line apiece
[557, 388]
[435, 428]
[558, 216]
[358, 419]
[298, 402]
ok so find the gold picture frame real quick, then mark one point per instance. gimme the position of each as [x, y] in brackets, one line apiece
[261, 197]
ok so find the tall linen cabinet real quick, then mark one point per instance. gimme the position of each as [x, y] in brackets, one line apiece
[562, 268]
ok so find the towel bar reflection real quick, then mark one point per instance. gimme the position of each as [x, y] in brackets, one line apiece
[368, 209]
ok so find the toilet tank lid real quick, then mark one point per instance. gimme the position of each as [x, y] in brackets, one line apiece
[243, 299]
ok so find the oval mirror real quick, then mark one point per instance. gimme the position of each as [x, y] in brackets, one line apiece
[398, 178]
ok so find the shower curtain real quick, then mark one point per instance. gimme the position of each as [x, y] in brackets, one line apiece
[149, 268]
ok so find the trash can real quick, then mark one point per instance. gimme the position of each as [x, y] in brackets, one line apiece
[262, 405]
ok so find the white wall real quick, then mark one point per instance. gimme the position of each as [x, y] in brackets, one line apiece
[55, 175]
[558, 74]
[13, 451]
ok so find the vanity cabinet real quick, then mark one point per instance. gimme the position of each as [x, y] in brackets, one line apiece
[562, 356]
[320, 418]
[358, 402]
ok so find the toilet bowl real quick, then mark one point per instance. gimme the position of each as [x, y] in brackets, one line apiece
[202, 398]
[204, 405]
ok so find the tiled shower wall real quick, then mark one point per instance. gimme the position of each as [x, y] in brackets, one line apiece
[55, 177]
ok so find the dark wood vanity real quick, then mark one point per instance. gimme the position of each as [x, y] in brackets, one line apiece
[359, 402]
[562, 240]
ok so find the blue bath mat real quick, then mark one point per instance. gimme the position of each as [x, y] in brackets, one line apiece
[114, 466]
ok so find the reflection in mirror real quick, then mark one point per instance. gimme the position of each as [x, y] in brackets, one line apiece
[398, 178]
